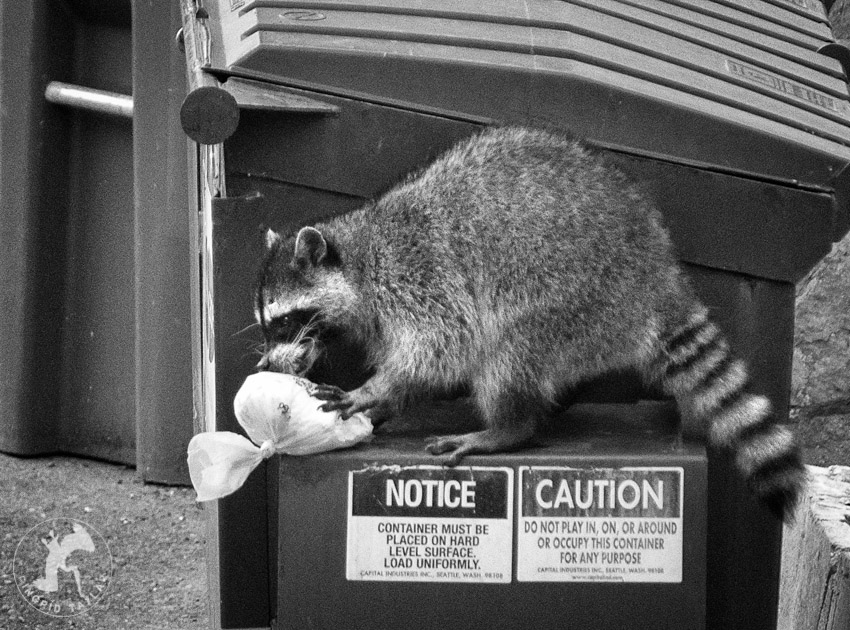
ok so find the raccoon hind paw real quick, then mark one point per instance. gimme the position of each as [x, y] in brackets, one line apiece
[486, 441]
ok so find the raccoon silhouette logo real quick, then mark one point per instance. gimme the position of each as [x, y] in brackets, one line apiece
[62, 567]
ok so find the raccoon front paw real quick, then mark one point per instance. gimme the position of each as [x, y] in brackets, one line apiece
[328, 392]
[347, 403]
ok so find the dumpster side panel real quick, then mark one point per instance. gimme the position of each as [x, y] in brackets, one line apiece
[66, 185]
[33, 201]
[737, 224]
[98, 389]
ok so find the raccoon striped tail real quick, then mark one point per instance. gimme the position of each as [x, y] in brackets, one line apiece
[710, 387]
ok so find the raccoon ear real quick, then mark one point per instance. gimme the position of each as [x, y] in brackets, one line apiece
[272, 238]
[310, 247]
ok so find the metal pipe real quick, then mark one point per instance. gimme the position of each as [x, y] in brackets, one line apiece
[89, 99]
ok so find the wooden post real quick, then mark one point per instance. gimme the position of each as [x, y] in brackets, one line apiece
[814, 592]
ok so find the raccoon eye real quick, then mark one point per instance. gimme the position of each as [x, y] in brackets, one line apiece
[286, 327]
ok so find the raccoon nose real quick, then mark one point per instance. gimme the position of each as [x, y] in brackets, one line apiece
[263, 364]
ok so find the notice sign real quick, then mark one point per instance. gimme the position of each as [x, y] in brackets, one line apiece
[600, 524]
[430, 524]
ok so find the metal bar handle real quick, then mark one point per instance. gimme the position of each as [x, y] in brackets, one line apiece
[89, 99]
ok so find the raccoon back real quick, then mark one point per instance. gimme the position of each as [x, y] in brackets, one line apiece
[513, 217]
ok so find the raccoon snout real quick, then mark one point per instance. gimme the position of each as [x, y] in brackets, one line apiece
[290, 359]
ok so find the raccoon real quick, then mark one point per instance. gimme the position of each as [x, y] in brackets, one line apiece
[518, 264]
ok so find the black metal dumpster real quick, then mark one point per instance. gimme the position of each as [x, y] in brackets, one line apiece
[94, 321]
[734, 113]
[66, 185]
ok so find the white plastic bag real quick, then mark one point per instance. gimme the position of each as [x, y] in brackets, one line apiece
[280, 415]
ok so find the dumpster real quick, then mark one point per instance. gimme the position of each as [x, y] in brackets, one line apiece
[66, 319]
[95, 323]
[735, 116]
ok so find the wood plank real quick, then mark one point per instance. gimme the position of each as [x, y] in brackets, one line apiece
[815, 587]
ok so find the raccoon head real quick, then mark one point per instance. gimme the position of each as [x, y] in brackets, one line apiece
[302, 298]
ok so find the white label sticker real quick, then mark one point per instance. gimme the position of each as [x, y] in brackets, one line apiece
[430, 524]
[600, 524]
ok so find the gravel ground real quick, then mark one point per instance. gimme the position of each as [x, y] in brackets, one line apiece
[153, 534]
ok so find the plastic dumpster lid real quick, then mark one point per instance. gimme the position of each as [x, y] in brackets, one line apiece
[737, 85]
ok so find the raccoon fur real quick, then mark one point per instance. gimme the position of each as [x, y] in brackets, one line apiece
[518, 264]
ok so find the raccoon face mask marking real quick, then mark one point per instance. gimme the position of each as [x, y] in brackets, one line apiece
[298, 298]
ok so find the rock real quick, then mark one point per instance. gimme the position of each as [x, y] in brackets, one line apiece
[821, 377]
[826, 438]
[820, 388]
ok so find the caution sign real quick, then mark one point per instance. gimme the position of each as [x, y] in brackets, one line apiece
[430, 524]
[600, 524]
